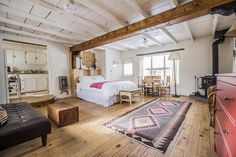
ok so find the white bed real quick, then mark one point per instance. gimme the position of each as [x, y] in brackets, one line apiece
[107, 95]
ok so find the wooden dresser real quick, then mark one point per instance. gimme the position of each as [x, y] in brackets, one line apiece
[225, 117]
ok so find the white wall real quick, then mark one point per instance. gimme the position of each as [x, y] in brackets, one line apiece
[3, 77]
[114, 73]
[226, 56]
[58, 61]
[101, 60]
[195, 60]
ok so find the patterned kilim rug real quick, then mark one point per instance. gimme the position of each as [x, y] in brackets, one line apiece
[154, 123]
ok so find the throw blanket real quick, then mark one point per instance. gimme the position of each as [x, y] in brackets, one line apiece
[99, 85]
[109, 88]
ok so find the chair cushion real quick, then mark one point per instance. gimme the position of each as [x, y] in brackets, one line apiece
[3, 116]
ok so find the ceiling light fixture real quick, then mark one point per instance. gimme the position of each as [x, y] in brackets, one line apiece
[70, 8]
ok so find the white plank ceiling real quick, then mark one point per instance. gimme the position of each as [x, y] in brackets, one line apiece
[47, 19]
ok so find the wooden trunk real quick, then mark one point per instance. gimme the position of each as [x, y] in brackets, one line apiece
[63, 114]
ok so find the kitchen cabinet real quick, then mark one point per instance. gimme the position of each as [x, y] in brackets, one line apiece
[30, 57]
[39, 58]
[33, 82]
[10, 57]
[19, 57]
[42, 83]
[15, 57]
[28, 84]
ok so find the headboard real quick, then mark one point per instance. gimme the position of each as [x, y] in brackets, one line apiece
[76, 73]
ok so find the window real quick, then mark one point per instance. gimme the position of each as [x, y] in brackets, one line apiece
[157, 66]
[128, 69]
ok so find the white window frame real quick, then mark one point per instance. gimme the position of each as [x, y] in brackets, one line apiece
[164, 68]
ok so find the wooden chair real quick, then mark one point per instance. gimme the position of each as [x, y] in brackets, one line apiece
[211, 96]
[140, 83]
[148, 85]
[165, 87]
[157, 84]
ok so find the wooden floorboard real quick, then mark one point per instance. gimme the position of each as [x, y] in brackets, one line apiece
[89, 138]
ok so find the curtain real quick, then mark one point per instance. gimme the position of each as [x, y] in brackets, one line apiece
[140, 70]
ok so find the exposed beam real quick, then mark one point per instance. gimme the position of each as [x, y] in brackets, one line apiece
[15, 11]
[102, 11]
[134, 4]
[68, 16]
[168, 35]
[176, 2]
[35, 35]
[13, 22]
[151, 38]
[182, 13]
[214, 24]
[188, 30]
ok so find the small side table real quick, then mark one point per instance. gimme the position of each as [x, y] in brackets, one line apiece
[130, 95]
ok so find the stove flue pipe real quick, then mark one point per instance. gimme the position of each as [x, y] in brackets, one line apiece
[215, 56]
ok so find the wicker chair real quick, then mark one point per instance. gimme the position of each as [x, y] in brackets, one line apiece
[165, 87]
[211, 95]
[148, 85]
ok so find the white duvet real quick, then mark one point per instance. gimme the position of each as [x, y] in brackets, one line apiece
[109, 89]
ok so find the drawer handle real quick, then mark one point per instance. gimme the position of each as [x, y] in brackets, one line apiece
[225, 131]
[226, 98]
[216, 133]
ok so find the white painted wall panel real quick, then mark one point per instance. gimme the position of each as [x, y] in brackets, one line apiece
[3, 82]
[114, 73]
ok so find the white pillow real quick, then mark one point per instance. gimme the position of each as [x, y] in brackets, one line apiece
[98, 78]
[86, 79]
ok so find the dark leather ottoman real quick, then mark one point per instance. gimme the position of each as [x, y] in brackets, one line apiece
[24, 124]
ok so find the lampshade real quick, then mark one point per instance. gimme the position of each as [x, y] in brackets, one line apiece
[174, 56]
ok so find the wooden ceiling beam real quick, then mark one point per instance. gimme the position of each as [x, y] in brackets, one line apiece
[36, 35]
[13, 22]
[15, 11]
[67, 15]
[102, 11]
[214, 23]
[187, 28]
[168, 35]
[145, 35]
[182, 13]
[134, 4]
